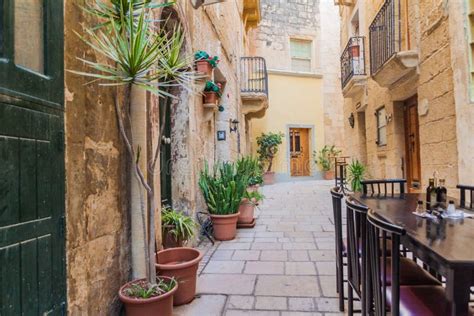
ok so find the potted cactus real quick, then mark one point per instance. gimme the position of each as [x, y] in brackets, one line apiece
[212, 92]
[223, 190]
[268, 144]
[205, 63]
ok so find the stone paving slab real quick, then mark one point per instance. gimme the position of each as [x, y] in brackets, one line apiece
[284, 266]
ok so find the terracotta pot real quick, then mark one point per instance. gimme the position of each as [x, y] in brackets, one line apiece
[182, 264]
[355, 51]
[169, 240]
[210, 98]
[159, 305]
[269, 177]
[253, 188]
[329, 175]
[225, 226]
[246, 210]
[203, 66]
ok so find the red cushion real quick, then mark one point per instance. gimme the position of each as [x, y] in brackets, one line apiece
[410, 273]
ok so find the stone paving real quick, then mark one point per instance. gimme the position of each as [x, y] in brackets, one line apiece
[284, 266]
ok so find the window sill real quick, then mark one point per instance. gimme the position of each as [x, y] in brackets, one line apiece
[295, 73]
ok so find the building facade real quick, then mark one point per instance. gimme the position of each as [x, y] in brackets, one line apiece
[299, 41]
[407, 88]
[65, 188]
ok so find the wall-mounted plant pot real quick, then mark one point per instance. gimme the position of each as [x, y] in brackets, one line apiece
[355, 51]
[181, 264]
[169, 240]
[269, 177]
[329, 175]
[225, 226]
[246, 210]
[210, 98]
[204, 67]
[158, 305]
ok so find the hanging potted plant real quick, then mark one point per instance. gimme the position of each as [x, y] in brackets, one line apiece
[325, 159]
[268, 144]
[212, 92]
[223, 190]
[205, 63]
[137, 55]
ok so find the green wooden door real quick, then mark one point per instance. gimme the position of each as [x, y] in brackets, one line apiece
[32, 255]
[166, 162]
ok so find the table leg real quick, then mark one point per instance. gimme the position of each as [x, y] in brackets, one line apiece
[458, 284]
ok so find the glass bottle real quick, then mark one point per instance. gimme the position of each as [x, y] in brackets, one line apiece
[451, 208]
[419, 207]
[441, 194]
[431, 195]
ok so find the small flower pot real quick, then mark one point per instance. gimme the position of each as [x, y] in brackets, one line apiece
[203, 66]
[269, 177]
[182, 264]
[246, 210]
[329, 175]
[169, 240]
[225, 226]
[355, 51]
[210, 98]
[158, 305]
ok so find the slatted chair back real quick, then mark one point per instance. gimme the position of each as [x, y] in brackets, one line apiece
[385, 187]
[356, 251]
[463, 189]
[378, 234]
[337, 196]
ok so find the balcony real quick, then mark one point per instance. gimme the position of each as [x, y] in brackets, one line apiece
[388, 62]
[253, 86]
[353, 76]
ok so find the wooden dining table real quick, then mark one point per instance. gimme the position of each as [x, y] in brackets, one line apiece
[445, 245]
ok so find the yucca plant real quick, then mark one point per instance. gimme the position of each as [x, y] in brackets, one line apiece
[222, 188]
[250, 166]
[355, 174]
[137, 53]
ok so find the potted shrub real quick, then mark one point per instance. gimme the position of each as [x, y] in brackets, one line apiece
[325, 159]
[212, 92]
[223, 190]
[205, 63]
[251, 167]
[268, 144]
[142, 298]
[247, 206]
[176, 227]
[355, 174]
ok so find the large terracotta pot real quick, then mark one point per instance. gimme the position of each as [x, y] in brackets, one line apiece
[329, 175]
[169, 240]
[159, 305]
[225, 226]
[246, 210]
[269, 177]
[203, 66]
[182, 264]
[210, 97]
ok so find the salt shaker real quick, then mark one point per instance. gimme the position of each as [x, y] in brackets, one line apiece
[451, 208]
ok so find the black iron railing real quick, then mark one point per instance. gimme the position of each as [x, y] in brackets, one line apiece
[353, 59]
[385, 34]
[254, 76]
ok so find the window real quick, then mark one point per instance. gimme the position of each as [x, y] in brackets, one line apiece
[301, 52]
[381, 126]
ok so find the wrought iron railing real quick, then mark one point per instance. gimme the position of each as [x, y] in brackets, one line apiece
[385, 34]
[254, 76]
[353, 59]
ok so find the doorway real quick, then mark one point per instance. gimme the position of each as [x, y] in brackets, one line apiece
[412, 144]
[299, 152]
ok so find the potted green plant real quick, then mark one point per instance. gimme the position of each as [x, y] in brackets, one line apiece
[247, 207]
[268, 144]
[177, 228]
[212, 92]
[205, 63]
[251, 167]
[356, 172]
[223, 190]
[138, 55]
[325, 159]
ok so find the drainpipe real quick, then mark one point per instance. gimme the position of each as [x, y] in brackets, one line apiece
[138, 201]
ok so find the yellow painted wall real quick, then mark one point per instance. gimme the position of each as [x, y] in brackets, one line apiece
[293, 100]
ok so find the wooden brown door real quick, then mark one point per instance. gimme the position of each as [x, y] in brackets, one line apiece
[299, 152]
[412, 144]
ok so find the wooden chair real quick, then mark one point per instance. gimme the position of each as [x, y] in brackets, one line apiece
[396, 283]
[462, 201]
[383, 186]
[337, 195]
[356, 254]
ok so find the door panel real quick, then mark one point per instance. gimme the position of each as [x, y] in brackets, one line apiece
[299, 152]
[412, 144]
